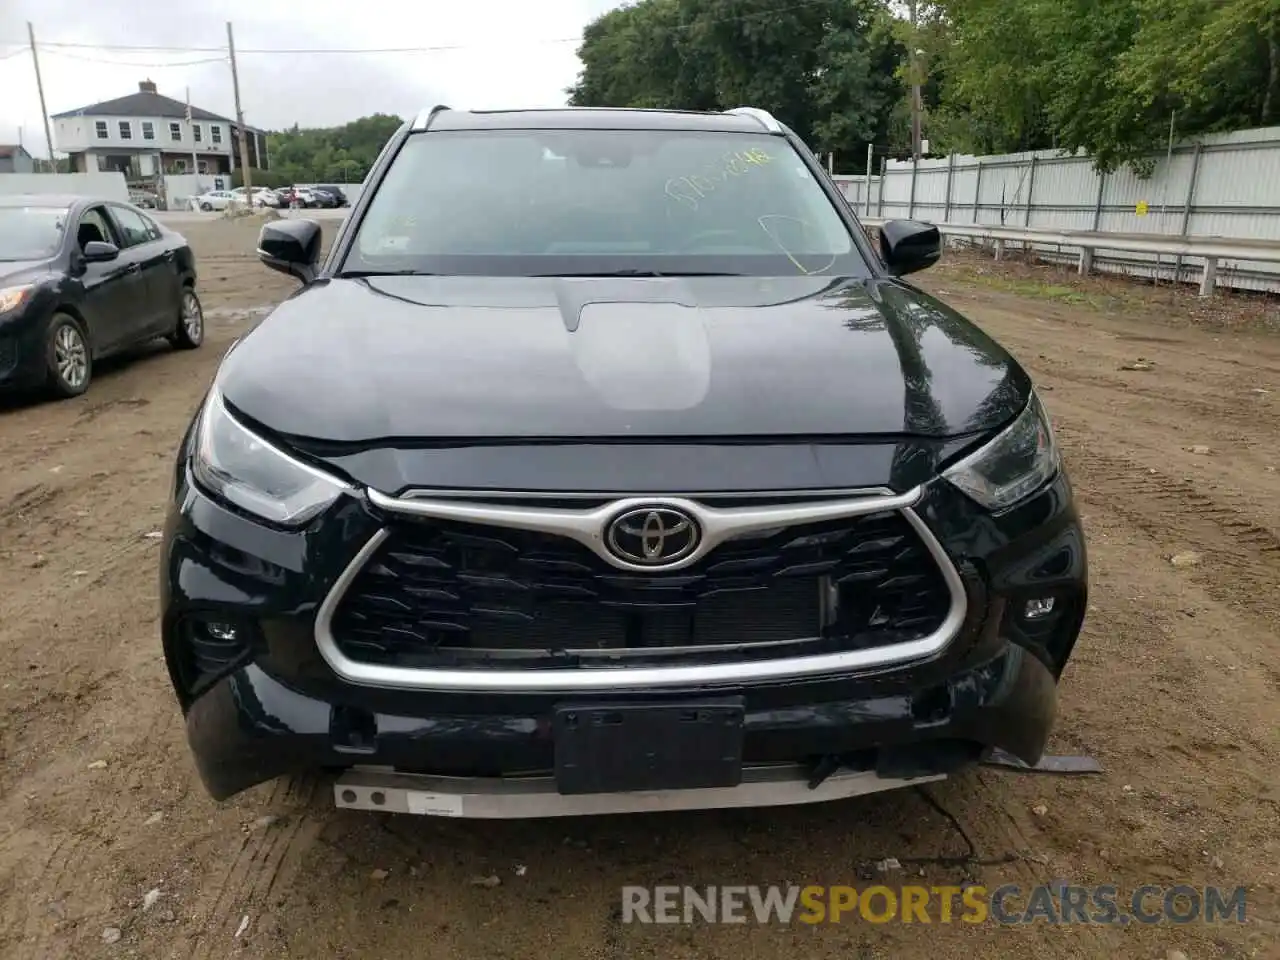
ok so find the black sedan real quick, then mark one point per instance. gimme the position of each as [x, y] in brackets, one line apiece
[82, 278]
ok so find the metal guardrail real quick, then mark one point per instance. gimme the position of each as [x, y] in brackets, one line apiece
[1208, 249]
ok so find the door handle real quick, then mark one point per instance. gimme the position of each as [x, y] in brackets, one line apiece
[168, 255]
[132, 268]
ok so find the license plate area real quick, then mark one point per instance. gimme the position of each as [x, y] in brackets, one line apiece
[624, 747]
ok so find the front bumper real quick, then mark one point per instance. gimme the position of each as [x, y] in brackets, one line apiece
[275, 706]
[22, 351]
[250, 728]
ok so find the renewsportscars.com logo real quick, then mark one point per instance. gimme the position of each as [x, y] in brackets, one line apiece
[1007, 904]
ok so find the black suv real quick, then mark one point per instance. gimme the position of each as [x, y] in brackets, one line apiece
[603, 464]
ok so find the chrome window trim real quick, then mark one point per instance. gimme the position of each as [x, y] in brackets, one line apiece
[573, 524]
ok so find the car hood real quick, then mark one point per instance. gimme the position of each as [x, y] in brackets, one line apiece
[21, 271]
[472, 358]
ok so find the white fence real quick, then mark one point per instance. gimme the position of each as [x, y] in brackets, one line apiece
[110, 186]
[1225, 185]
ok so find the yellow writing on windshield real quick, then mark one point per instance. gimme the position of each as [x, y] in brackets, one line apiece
[695, 187]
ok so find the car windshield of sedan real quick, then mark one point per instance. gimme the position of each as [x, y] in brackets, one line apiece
[31, 233]
[601, 202]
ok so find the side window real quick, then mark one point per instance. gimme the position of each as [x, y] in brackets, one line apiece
[134, 229]
[94, 226]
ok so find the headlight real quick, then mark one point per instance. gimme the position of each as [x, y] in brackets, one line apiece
[1013, 465]
[245, 470]
[11, 298]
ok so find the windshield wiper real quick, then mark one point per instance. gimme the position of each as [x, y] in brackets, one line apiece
[631, 272]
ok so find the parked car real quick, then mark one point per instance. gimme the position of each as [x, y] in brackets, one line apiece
[298, 196]
[142, 199]
[212, 200]
[528, 505]
[324, 199]
[262, 197]
[330, 197]
[82, 278]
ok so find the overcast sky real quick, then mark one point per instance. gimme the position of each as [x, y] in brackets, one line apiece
[516, 53]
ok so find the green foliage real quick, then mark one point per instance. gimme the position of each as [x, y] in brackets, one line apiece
[261, 178]
[1105, 76]
[329, 155]
[825, 67]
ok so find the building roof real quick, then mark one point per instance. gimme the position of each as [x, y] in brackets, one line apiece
[143, 105]
[147, 103]
[8, 150]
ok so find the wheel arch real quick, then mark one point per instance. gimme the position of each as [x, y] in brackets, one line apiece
[73, 311]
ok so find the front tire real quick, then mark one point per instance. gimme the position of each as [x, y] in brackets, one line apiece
[189, 333]
[206, 207]
[68, 357]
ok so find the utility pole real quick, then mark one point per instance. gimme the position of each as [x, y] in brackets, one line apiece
[914, 67]
[244, 143]
[191, 132]
[44, 113]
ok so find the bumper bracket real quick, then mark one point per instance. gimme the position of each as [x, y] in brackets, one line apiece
[365, 788]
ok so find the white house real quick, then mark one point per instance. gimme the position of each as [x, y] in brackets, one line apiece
[146, 134]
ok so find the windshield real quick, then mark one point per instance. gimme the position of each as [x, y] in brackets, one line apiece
[31, 233]
[581, 202]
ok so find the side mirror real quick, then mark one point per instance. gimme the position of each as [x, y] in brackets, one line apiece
[99, 251]
[292, 247]
[909, 245]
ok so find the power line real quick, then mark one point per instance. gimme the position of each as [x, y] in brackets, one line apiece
[303, 51]
[293, 51]
[63, 54]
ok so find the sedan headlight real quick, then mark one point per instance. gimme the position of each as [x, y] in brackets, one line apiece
[242, 468]
[1021, 459]
[11, 298]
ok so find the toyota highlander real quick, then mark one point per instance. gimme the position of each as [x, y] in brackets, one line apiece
[604, 462]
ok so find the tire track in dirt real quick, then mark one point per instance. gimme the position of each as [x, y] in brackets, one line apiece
[265, 862]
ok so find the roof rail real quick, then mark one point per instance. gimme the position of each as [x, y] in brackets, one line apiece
[764, 117]
[423, 120]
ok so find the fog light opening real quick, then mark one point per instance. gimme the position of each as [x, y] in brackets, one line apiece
[225, 632]
[1038, 608]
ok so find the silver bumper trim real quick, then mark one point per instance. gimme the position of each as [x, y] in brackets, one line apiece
[586, 527]
[533, 797]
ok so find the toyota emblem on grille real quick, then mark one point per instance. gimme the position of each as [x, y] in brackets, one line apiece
[653, 536]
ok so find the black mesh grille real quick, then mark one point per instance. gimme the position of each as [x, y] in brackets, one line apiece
[451, 594]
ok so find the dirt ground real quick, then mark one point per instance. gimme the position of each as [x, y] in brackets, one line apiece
[1175, 688]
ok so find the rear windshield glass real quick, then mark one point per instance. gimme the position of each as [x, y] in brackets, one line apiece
[534, 202]
[31, 233]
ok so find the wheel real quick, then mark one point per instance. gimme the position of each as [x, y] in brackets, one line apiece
[189, 332]
[69, 360]
[206, 207]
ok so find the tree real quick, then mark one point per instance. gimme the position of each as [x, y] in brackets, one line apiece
[333, 154]
[1104, 76]
[1108, 76]
[826, 68]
